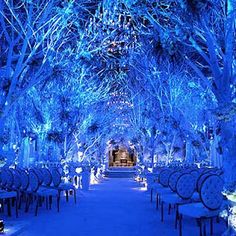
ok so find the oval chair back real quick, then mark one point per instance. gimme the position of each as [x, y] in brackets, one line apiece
[173, 180]
[10, 181]
[8, 178]
[56, 177]
[185, 186]
[24, 179]
[219, 172]
[208, 171]
[195, 173]
[60, 170]
[40, 175]
[1, 177]
[211, 192]
[200, 179]
[47, 177]
[159, 173]
[201, 170]
[164, 177]
[16, 178]
[33, 181]
[4, 176]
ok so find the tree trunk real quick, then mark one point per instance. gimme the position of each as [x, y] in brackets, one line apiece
[2, 126]
[228, 143]
[152, 155]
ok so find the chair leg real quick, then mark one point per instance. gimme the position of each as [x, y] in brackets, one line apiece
[58, 203]
[46, 202]
[30, 200]
[162, 211]
[204, 228]
[37, 205]
[50, 202]
[20, 200]
[176, 215]
[2, 205]
[67, 196]
[226, 223]
[76, 180]
[151, 194]
[211, 226]
[26, 204]
[180, 224]
[9, 207]
[78, 183]
[157, 201]
[75, 195]
[16, 205]
[169, 208]
[40, 201]
[200, 225]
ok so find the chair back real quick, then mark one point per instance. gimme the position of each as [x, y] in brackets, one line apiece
[195, 173]
[208, 170]
[10, 180]
[33, 181]
[47, 177]
[4, 177]
[173, 180]
[219, 172]
[200, 179]
[7, 178]
[185, 186]
[56, 177]
[164, 177]
[60, 170]
[211, 192]
[24, 179]
[39, 173]
[16, 178]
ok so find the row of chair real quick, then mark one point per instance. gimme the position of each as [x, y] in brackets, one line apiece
[34, 186]
[192, 192]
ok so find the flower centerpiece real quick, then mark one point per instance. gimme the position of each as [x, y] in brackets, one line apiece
[230, 194]
[86, 171]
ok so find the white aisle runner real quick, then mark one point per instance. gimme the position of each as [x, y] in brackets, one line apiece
[115, 207]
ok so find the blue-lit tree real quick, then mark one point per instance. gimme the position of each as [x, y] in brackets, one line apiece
[31, 32]
[204, 31]
[163, 92]
[46, 76]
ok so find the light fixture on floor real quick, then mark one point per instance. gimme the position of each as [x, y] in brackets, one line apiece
[1, 226]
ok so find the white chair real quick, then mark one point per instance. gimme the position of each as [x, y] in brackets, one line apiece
[38, 192]
[57, 184]
[7, 194]
[152, 180]
[24, 178]
[210, 206]
[39, 173]
[163, 187]
[183, 187]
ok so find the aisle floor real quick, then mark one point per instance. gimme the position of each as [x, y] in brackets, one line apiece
[116, 207]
